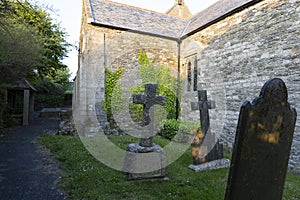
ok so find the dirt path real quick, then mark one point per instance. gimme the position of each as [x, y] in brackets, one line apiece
[26, 170]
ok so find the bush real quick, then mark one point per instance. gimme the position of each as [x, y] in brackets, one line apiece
[49, 95]
[48, 101]
[169, 128]
[6, 119]
[182, 129]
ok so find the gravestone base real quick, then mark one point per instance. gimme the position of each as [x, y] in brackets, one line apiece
[201, 155]
[145, 162]
[212, 165]
[211, 160]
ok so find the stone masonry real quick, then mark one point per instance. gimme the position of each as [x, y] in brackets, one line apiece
[247, 49]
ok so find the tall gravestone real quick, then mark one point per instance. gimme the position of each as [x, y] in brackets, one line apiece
[146, 160]
[209, 152]
[262, 145]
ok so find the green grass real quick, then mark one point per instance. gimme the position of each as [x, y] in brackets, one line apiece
[84, 177]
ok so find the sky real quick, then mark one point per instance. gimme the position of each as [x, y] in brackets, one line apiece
[68, 14]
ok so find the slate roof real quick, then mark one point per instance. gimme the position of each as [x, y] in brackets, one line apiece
[23, 84]
[125, 17]
[216, 12]
[134, 19]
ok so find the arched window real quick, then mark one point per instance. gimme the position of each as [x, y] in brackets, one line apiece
[189, 76]
[195, 75]
[192, 74]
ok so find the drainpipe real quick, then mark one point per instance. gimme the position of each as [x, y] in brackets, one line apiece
[105, 58]
[104, 50]
[178, 79]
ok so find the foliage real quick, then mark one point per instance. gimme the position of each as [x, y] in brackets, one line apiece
[172, 127]
[6, 119]
[54, 42]
[169, 128]
[156, 74]
[83, 177]
[3, 108]
[32, 46]
[113, 92]
[20, 48]
[50, 94]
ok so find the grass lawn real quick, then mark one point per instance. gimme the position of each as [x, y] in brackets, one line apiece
[84, 177]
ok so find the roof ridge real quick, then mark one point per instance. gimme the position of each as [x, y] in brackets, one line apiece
[135, 7]
[143, 9]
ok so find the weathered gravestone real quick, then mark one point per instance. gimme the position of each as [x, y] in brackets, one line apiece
[146, 159]
[262, 145]
[209, 153]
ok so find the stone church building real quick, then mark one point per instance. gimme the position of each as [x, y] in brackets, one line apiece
[229, 49]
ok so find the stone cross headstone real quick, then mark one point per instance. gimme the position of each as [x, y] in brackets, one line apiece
[209, 148]
[203, 105]
[146, 160]
[148, 100]
[262, 145]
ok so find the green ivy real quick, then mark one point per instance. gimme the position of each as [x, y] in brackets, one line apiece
[113, 92]
[149, 73]
[160, 75]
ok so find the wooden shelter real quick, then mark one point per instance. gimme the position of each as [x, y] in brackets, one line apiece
[20, 99]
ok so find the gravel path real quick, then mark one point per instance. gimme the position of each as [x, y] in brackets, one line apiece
[27, 171]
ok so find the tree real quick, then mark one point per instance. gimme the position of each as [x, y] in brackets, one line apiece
[31, 46]
[48, 35]
[20, 48]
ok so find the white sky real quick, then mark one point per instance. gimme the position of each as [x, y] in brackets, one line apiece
[68, 14]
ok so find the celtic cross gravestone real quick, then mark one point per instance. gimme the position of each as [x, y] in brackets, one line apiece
[148, 100]
[146, 160]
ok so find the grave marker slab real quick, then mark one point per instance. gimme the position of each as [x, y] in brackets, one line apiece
[262, 145]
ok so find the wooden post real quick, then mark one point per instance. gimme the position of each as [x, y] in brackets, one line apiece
[26, 100]
[31, 106]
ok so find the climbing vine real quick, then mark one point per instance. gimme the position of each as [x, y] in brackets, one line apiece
[156, 74]
[113, 91]
[148, 73]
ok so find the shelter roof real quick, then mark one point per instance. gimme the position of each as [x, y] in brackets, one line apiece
[23, 84]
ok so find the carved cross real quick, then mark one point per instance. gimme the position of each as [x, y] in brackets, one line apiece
[148, 99]
[203, 105]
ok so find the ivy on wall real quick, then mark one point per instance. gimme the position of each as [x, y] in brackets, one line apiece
[156, 74]
[113, 92]
[148, 72]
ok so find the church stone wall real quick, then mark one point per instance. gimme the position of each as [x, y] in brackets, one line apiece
[235, 57]
[245, 50]
[104, 47]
